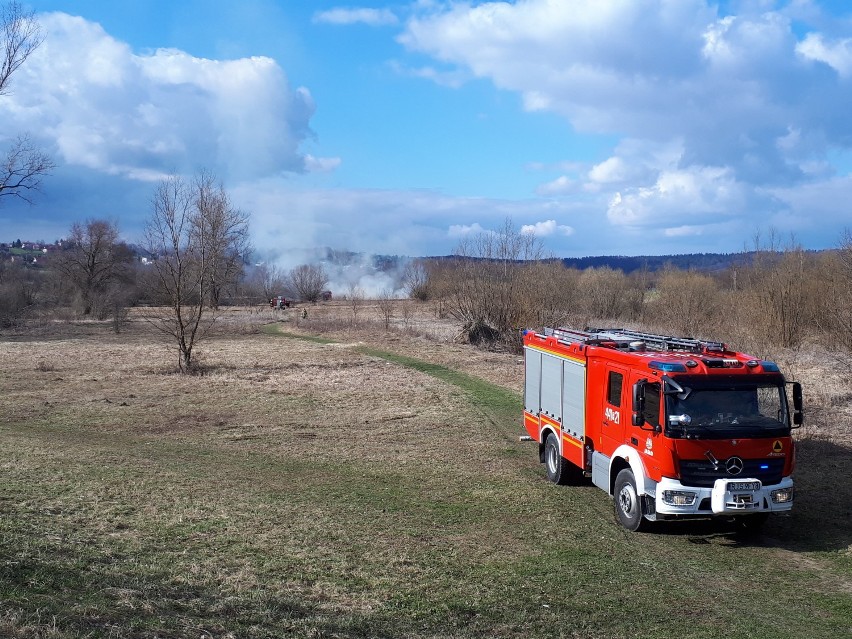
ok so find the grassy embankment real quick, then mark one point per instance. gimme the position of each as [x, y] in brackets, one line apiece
[314, 489]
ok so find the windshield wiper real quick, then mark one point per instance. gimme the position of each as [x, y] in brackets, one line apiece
[716, 463]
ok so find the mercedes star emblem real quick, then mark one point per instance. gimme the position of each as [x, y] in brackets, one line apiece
[734, 466]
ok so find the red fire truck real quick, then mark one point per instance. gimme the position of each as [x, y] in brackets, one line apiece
[671, 427]
[279, 301]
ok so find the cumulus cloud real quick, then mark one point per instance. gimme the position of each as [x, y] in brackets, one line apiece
[371, 17]
[461, 230]
[101, 106]
[696, 195]
[546, 228]
[836, 54]
[560, 186]
[714, 110]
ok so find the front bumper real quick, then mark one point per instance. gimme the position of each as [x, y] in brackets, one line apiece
[741, 496]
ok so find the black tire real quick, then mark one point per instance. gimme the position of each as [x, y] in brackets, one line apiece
[554, 464]
[627, 502]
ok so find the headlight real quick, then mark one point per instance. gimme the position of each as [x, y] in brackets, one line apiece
[782, 495]
[678, 497]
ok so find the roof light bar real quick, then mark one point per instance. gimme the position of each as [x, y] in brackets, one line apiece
[667, 367]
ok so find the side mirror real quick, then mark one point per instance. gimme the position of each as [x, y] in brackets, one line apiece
[638, 403]
[798, 415]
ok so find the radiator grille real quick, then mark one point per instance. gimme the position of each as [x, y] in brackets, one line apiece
[701, 473]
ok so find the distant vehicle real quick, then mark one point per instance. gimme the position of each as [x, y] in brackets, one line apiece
[280, 302]
[325, 296]
[671, 427]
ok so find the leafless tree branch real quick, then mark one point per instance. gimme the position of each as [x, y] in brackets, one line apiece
[23, 168]
[20, 35]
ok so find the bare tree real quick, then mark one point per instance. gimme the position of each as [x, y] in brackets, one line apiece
[355, 296]
[95, 265]
[178, 267]
[836, 321]
[266, 281]
[20, 35]
[23, 168]
[407, 311]
[187, 248]
[384, 306]
[308, 280]
[548, 295]
[415, 280]
[484, 284]
[686, 303]
[604, 293]
[19, 291]
[24, 164]
[223, 231]
[776, 285]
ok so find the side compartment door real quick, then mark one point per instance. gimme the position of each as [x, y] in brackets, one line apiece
[573, 411]
[532, 392]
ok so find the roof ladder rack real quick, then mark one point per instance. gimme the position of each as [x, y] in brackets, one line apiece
[624, 338]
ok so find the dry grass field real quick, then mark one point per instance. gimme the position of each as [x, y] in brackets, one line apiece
[325, 480]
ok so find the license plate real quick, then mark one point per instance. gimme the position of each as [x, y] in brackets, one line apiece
[743, 485]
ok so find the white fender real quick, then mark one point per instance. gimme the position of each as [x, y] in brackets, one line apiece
[644, 484]
[542, 436]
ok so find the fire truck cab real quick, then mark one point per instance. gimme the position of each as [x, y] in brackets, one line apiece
[670, 427]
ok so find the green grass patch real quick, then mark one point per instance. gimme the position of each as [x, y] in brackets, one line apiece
[107, 531]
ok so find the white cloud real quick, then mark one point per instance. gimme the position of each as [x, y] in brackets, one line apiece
[546, 228]
[344, 16]
[588, 59]
[698, 194]
[461, 230]
[684, 231]
[321, 165]
[101, 106]
[715, 111]
[836, 54]
[560, 186]
[612, 169]
[726, 86]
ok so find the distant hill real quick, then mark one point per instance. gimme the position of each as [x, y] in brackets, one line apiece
[708, 262]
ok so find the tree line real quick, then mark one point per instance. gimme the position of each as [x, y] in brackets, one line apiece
[197, 248]
[777, 295]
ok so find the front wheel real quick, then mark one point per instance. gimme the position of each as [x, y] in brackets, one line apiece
[628, 504]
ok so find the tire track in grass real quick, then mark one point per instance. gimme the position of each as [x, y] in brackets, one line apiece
[499, 405]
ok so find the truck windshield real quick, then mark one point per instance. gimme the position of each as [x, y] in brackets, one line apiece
[719, 412]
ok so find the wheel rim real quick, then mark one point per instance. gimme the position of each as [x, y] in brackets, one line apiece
[627, 500]
[552, 462]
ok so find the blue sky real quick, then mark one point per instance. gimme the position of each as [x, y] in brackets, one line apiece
[602, 126]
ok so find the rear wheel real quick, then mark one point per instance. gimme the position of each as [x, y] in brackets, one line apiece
[627, 503]
[554, 463]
